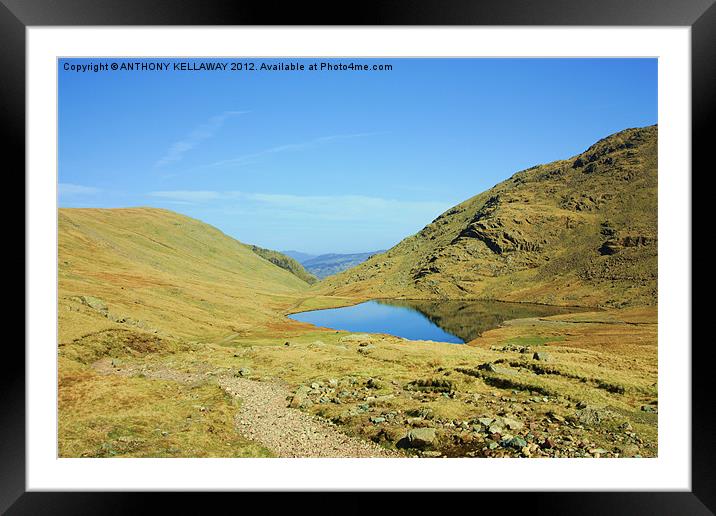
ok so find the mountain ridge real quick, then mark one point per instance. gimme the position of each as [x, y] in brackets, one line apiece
[579, 231]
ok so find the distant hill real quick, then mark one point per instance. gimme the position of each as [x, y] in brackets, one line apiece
[326, 265]
[299, 256]
[579, 231]
[285, 262]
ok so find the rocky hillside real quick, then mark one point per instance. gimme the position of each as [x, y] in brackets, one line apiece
[580, 231]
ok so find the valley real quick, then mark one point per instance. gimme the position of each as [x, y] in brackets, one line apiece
[175, 340]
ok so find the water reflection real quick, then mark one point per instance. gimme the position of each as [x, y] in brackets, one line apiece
[438, 320]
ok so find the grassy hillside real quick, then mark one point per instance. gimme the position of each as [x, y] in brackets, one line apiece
[142, 267]
[326, 265]
[147, 283]
[580, 231]
[285, 262]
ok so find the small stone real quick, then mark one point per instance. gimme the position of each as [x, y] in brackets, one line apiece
[548, 443]
[244, 371]
[488, 366]
[516, 442]
[496, 429]
[512, 424]
[630, 450]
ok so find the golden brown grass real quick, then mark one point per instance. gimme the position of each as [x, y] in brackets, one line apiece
[154, 289]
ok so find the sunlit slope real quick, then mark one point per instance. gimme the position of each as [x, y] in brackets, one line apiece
[153, 269]
[580, 231]
[285, 262]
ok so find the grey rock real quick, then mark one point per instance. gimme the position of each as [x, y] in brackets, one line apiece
[512, 424]
[94, 303]
[421, 437]
[372, 383]
[515, 442]
[300, 398]
[488, 366]
[541, 356]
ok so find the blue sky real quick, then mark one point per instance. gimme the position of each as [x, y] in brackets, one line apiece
[332, 161]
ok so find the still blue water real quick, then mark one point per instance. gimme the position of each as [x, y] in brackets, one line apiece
[442, 320]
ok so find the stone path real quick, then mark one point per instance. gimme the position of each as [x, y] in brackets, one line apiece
[265, 417]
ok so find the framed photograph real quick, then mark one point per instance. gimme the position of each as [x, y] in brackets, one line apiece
[433, 247]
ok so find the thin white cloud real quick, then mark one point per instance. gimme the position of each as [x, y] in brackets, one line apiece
[193, 196]
[205, 131]
[69, 189]
[356, 208]
[250, 158]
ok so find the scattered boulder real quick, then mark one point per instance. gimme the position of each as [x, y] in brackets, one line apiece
[421, 437]
[488, 366]
[300, 398]
[94, 303]
[422, 413]
[542, 356]
[372, 383]
[630, 450]
[590, 416]
[515, 442]
[512, 424]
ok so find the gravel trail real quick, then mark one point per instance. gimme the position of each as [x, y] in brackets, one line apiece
[265, 417]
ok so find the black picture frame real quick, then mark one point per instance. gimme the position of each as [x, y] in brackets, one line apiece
[17, 15]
